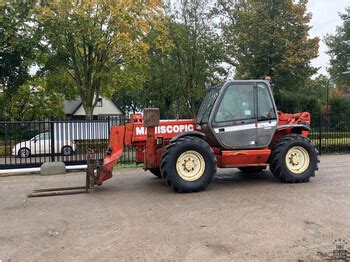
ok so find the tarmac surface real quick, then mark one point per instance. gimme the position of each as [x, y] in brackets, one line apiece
[135, 217]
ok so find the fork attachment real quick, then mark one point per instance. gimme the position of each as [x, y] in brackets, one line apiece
[59, 191]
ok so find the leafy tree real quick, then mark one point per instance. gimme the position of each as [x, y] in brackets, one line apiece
[339, 113]
[18, 44]
[292, 102]
[269, 38]
[318, 88]
[100, 45]
[310, 98]
[339, 50]
[129, 100]
[177, 77]
[35, 101]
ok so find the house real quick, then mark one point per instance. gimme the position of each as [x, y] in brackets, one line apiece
[105, 107]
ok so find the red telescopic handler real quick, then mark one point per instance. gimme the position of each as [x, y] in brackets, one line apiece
[237, 126]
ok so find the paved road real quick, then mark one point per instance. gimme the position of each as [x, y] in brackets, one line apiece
[134, 217]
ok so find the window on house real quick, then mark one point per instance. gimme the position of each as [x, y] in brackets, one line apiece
[99, 102]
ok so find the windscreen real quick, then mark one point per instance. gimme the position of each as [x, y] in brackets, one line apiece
[207, 104]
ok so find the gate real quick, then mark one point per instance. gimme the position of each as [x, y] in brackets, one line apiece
[26, 144]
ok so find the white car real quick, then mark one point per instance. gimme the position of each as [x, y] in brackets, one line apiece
[41, 144]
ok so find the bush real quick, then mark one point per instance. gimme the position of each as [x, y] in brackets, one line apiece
[290, 102]
[339, 118]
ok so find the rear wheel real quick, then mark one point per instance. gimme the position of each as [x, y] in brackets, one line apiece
[24, 153]
[67, 151]
[294, 159]
[251, 169]
[188, 165]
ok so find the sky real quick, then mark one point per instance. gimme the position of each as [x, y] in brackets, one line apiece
[325, 19]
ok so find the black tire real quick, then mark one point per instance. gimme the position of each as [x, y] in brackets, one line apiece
[24, 152]
[252, 169]
[156, 172]
[278, 165]
[171, 156]
[67, 151]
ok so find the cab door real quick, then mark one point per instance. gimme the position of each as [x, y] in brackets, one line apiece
[234, 122]
[267, 115]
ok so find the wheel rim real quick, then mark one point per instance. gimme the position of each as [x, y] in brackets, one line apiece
[24, 153]
[297, 159]
[66, 151]
[190, 165]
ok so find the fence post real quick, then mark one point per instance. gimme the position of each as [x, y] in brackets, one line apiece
[52, 132]
[109, 125]
[6, 142]
[320, 133]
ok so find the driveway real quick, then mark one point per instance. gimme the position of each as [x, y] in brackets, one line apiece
[135, 217]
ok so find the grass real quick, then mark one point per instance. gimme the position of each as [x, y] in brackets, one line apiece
[330, 135]
[332, 141]
[127, 165]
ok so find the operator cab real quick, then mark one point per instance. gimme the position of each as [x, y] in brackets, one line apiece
[238, 115]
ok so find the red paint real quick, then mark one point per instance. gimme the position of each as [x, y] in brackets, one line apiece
[243, 158]
[113, 154]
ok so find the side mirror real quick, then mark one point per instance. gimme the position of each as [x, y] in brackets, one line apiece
[151, 117]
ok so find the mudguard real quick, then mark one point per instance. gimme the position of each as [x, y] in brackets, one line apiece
[296, 128]
[188, 133]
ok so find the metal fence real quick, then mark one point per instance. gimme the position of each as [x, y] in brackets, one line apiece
[331, 133]
[31, 143]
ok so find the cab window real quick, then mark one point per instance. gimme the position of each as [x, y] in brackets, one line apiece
[237, 103]
[265, 105]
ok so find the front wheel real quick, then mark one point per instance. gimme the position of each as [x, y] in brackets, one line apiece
[188, 165]
[294, 159]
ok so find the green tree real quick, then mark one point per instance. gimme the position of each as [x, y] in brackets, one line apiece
[269, 38]
[339, 51]
[309, 98]
[177, 77]
[35, 101]
[318, 88]
[18, 46]
[100, 45]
